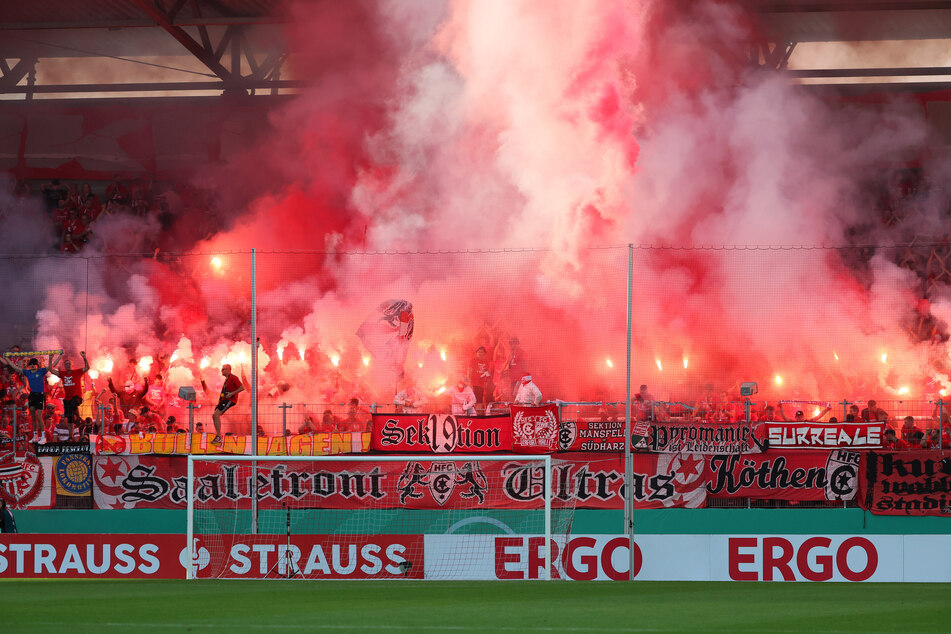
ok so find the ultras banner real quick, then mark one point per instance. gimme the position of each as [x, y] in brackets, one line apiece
[907, 483]
[584, 481]
[200, 444]
[788, 475]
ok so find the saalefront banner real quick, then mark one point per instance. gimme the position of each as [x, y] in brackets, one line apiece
[583, 481]
[907, 483]
[200, 444]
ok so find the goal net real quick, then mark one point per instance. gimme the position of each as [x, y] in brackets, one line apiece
[360, 517]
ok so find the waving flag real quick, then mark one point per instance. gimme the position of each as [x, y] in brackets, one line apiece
[387, 332]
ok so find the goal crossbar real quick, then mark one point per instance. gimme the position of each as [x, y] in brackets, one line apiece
[536, 458]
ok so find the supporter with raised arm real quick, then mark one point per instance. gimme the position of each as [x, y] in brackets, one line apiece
[228, 399]
[517, 366]
[463, 399]
[132, 397]
[72, 389]
[800, 416]
[36, 378]
[528, 393]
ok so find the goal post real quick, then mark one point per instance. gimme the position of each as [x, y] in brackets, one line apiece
[372, 516]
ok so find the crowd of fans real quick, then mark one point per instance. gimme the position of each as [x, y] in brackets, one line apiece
[75, 207]
[146, 404]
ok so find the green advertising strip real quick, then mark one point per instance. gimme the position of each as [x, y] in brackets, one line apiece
[585, 521]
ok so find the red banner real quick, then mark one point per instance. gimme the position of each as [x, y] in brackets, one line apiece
[789, 475]
[585, 481]
[309, 556]
[84, 556]
[583, 435]
[535, 429]
[823, 436]
[702, 437]
[441, 433]
[907, 483]
[26, 481]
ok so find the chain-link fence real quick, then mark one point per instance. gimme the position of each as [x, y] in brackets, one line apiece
[333, 327]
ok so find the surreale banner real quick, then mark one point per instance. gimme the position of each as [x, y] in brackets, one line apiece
[822, 435]
[441, 433]
[795, 474]
[535, 429]
[583, 481]
[907, 483]
[200, 444]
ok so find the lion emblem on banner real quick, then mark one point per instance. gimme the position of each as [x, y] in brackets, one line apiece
[441, 478]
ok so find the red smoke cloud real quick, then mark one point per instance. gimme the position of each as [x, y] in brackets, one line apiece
[556, 127]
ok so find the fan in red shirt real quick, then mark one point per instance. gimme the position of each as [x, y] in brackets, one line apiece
[228, 399]
[72, 389]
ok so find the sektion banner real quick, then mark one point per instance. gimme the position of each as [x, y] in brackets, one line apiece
[907, 483]
[441, 433]
[791, 475]
[823, 436]
[583, 481]
[583, 435]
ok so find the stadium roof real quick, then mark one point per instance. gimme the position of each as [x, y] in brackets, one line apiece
[213, 46]
[236, 44]
[855, 20]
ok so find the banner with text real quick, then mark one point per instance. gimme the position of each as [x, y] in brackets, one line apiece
[200, 444]
[822, 435]
[584, 480]
[788, 475]
[441, 433]
[907, 483]
[535, 429]
[703, 437]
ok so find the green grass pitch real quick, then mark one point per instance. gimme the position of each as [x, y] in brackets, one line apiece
[417, 606]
